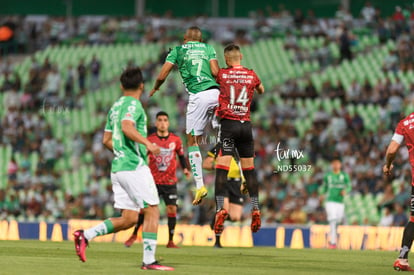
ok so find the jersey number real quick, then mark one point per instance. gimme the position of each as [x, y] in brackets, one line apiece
[199, 64]
[242, 98]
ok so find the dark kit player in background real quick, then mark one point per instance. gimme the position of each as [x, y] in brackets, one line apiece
[163, 168]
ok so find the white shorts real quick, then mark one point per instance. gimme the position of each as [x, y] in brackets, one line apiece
[134, 189]
[200, 109]
[335, 211]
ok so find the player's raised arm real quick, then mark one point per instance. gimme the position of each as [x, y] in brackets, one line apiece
[162, 76]
[129, 130]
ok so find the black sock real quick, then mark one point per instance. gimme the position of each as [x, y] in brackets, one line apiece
[252, 187]
[407, 240]
[213, 221]
[220, 186]
[172, 220]
[218, 239]
[139, 223]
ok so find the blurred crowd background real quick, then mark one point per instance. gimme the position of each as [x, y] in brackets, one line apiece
[35, 186]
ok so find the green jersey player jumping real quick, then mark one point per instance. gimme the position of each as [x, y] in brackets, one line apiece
[336, 184]
[198, 67]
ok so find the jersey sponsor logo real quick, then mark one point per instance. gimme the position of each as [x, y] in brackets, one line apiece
[172, 196]
[163, 159]
[225, 76]
[408, 121]
[191, 45]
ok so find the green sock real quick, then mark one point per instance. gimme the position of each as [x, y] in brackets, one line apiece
[106, 227]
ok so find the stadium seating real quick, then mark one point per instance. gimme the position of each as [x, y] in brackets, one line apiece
[272, 62]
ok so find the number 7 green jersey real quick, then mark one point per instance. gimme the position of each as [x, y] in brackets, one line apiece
[193, 61]
[128, 154]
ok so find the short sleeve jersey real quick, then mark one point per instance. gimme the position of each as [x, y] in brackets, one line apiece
[405, 131]
[237, 86]
[193, 61]
[164, 165]
[128, 154]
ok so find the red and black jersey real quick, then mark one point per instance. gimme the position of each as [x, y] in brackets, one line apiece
[237, 86]
[163, 166]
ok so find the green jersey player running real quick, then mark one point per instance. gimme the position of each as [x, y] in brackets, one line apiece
[336, 184]
[132, 181]
[198, 67]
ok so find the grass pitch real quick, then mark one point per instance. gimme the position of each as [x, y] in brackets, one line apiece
[35, 257]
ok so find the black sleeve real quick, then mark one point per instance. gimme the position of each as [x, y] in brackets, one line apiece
[183, 162]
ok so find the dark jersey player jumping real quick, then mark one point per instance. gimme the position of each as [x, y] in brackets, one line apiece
[237, 87]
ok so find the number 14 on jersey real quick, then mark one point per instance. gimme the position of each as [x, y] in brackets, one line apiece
[242, 97]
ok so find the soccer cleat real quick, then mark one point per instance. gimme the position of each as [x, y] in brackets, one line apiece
[332, 246]
[217, 245]
[80, 244]
[221, 216]
[171, 244]
[156, 266]
[402, 265]
[256, 221]
[131, 240]
[200, 194]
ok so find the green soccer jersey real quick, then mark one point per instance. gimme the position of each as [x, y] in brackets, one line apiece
[193, 61]
[128, 154]
[333, 184]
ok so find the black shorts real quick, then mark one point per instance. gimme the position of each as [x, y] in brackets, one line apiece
[168, 193]
[233, 192]
[236, 134]
[412, 201]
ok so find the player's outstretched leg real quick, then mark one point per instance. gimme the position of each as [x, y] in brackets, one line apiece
[82, 237]
[133, 237]
[253, 188]
[80, 244]
[220, 192]
[401, 264]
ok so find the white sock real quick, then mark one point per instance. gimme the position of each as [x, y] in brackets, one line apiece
[149, 247]
[103, 228]
[332, 232]
[196, 165]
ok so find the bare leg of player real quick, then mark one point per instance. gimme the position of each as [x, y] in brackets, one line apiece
[112, 225]
[149, 233]
[196, 161]
[134, 235]
[249, 173]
